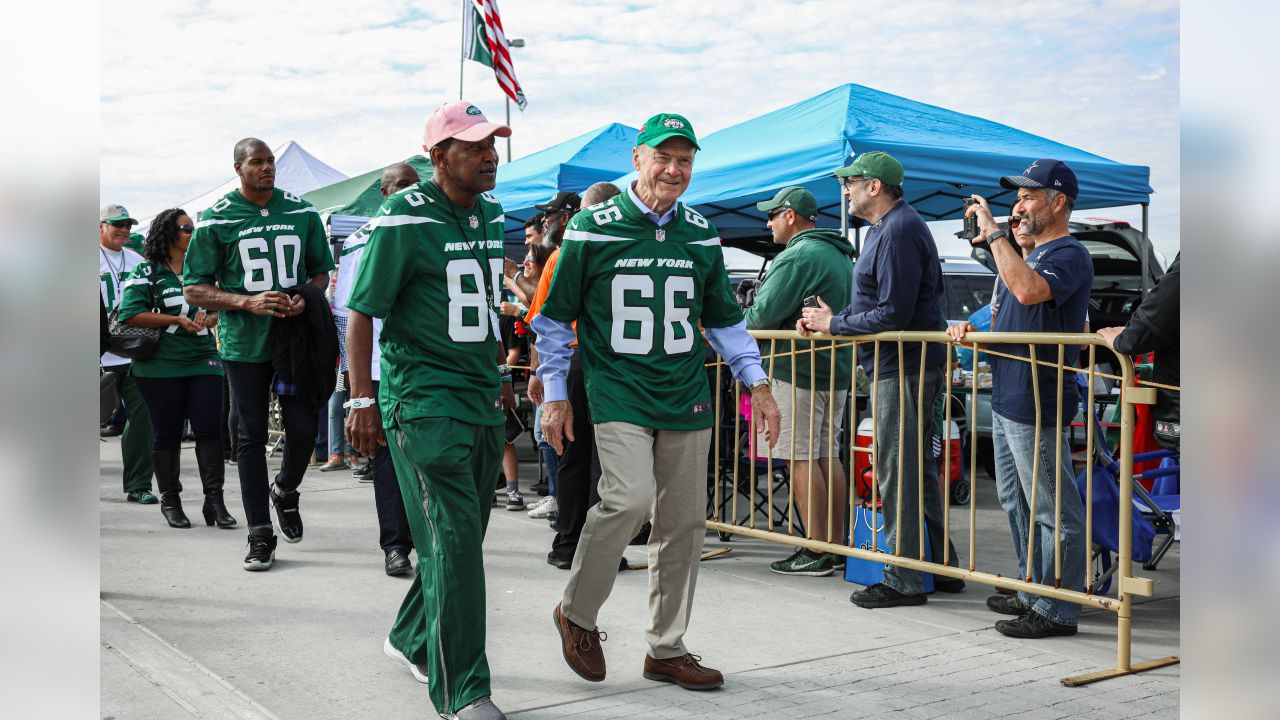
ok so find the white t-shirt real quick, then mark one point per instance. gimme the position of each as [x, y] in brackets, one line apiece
[112, 268]
[348, 262]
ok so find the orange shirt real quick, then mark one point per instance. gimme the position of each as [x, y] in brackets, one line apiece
[540, 294]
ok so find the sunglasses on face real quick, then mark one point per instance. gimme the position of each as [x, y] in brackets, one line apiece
[187, 229]
[119, 223]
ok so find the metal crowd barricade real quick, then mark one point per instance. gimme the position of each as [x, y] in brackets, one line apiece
[824, 349]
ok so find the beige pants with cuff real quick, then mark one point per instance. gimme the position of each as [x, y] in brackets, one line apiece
[640, 469]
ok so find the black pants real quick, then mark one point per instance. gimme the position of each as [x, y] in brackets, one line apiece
[578, 477]
[251, 398]
[393, 523]
[172, 400]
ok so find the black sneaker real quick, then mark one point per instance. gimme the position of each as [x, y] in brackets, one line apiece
[542, 489]
[288, 515]
[883, 596]
[948, 585]
[1032, 625]
[558, 562]
[262, 550]
[1008, 605]
[364, 473]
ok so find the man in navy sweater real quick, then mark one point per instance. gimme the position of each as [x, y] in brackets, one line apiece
[897, 286]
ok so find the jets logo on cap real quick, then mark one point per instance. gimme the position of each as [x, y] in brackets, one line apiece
[673, 123]
[473, 110]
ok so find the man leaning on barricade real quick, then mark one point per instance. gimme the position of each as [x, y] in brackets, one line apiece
[1047, 291]
[897, 286]
[814, 262]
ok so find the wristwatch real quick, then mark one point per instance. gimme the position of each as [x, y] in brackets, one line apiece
[993, 236]
[762, 382]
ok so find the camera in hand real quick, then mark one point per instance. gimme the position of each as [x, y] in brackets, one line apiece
[970, 229]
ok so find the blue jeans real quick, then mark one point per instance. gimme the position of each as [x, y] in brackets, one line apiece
[1015, 449]
[337, 416]
[550, 460]
[908, 582]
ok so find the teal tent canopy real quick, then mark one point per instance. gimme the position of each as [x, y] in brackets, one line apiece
[946, 155]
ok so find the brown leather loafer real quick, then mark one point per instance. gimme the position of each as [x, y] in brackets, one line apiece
[685, 671]
[581, 647]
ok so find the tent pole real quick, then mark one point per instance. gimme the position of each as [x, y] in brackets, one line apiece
[844, 218]
[462, 52]
[1143, 253]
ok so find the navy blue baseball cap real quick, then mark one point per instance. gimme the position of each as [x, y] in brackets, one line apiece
[1045, 174]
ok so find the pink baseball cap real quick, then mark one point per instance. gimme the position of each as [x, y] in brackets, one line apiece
[460, 120]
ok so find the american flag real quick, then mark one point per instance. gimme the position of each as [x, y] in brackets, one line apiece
[489, 46]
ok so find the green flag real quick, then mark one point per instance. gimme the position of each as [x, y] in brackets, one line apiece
[477, 42]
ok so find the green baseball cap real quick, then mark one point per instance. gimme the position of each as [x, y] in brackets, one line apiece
[793, 198]
[114, 213]
[664, 126]
[878, 165]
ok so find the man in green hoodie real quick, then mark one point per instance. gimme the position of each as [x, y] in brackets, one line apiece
[815, 261]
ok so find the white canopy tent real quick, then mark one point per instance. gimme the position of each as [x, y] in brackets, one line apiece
[297, 171]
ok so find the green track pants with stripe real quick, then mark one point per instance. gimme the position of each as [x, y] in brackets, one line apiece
[446, 471]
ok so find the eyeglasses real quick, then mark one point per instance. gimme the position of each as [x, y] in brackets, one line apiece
[119, 223]
[776, 213]
[849, 181]
[187, 229]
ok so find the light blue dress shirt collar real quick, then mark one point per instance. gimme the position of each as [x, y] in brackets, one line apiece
[657, 219]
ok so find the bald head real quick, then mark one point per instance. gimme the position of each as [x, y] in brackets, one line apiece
[398, 177]
[246, 146]
[598, 193]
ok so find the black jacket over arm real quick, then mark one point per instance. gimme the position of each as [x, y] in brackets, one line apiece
[306, 347]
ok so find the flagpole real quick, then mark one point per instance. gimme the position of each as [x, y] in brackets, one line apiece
[515, 43]
[462, 47]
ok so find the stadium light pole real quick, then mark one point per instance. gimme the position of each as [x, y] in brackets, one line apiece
[515, 43]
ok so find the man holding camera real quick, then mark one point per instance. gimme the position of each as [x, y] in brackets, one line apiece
[1047, 291]
[897, 286]
[814, 262]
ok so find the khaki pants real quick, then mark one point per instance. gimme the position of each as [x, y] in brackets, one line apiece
[641, 469]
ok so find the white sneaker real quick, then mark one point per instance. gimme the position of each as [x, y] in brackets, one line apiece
[545, 507]
[419, 671]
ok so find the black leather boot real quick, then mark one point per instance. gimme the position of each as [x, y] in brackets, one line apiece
[212, 475]
[166, 463]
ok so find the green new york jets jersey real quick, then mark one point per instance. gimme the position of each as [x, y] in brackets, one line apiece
[179, 353]
[247, 249]
[432, 271]
[639, 293]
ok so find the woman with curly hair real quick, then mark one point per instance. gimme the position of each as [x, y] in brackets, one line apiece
[184, 378]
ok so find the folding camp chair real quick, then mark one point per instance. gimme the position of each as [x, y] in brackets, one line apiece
[1152, 511]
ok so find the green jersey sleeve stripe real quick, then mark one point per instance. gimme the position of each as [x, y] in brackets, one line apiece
[348, 249]
[302, 210]
[398, 220]
[709, 241]
[207, 223]
[589, 236]
[137, 281]
[499, 219]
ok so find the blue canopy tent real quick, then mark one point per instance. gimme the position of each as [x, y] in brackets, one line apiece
[575, 164]
[947, 156]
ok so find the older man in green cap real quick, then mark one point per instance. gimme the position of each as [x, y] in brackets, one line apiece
[641, 273]
[814, 262]
[897, 286]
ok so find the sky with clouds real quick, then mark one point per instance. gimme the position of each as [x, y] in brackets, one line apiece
[181, 82]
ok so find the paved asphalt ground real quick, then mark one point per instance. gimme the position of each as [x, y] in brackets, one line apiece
[186, 633]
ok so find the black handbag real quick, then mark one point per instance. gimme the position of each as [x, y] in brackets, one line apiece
[132, 342]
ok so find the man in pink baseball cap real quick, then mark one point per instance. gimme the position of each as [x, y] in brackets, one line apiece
[432, 270]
